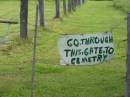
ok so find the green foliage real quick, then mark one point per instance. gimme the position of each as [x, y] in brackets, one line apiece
[124, 5]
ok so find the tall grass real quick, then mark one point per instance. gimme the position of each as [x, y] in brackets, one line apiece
[124, 5]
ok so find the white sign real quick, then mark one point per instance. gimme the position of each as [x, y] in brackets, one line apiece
[86, 49]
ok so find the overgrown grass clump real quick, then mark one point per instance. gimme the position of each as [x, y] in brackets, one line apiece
[124, 5]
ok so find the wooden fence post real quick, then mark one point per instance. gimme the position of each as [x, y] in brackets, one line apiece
[69, 6]
[64, 6]
[73, 5]
[57, 8]
[41, 12]
[24, 19]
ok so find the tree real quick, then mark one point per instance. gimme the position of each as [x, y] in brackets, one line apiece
[57, 8]
[41, 12]
[23, 19]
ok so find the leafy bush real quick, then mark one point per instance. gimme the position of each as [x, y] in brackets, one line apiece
[124, 5]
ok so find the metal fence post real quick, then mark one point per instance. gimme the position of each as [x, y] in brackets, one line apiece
[34, 52]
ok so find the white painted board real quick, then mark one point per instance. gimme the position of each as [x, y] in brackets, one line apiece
[86, 49]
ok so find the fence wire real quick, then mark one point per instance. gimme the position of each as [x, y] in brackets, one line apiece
[118, 28]
[115, 28]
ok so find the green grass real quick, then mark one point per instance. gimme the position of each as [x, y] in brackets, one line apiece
[52, 80]
[123, 5]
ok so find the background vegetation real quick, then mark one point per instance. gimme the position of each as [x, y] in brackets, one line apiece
[52, 80]
[124, 5]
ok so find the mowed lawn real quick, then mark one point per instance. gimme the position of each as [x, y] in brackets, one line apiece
[52, 80]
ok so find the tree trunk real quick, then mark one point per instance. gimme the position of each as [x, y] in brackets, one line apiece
[41, 12]
[64, 6]
[57, 8]
[24, 19]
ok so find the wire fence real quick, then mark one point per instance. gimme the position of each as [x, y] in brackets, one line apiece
[118, 27]
[54, 29]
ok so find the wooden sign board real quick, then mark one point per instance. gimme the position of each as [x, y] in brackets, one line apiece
[87, 49]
